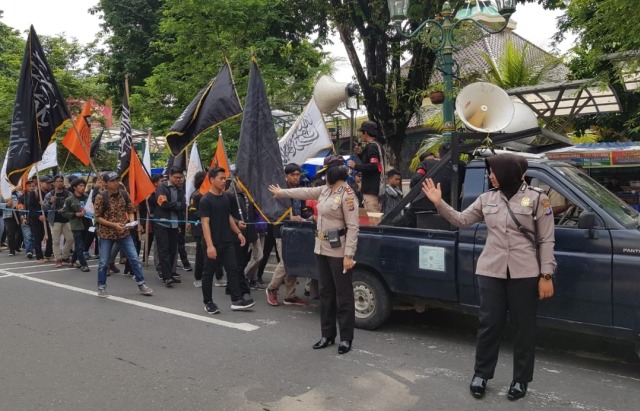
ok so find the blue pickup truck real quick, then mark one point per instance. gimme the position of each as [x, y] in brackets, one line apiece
[597, 286]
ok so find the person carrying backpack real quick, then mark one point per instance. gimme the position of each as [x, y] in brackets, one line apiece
[115, 214]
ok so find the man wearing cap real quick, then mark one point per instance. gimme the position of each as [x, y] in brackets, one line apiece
[371, 166]
[112, 211]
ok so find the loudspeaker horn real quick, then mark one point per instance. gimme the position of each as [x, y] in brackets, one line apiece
[484, 107]
[523, 119]
[329, 93]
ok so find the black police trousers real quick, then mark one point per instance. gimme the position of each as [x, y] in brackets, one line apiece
[336, 298]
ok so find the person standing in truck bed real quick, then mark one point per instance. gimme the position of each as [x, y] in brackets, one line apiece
[514, 270]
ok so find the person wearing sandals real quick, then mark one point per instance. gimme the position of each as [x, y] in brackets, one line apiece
[515, 268]
[335, 246]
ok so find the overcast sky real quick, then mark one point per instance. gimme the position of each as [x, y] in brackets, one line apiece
[50, 17]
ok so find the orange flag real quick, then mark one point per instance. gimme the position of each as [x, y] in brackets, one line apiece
[220, 159]
[140, 185]
[80, 145]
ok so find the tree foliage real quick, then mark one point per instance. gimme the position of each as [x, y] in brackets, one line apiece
[513, 70]
[605, 27]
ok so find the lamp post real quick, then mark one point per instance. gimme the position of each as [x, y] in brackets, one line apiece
[441, 39]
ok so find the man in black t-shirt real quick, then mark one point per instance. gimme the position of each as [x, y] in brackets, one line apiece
[371, 165]
[219, 229]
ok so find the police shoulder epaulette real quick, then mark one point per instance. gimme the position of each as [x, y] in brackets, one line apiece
[538, 189]
[348, 190]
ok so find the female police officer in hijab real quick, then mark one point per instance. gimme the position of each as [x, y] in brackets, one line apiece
[514, 270]
[336, 241]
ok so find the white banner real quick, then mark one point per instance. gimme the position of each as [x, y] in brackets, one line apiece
[306, 137]
[146, 157]
[49, 159]
[4, 183]
[194, 166]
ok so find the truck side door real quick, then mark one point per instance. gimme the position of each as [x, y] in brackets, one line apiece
[583, 277]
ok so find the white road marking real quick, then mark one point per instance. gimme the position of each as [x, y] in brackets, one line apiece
[228, 324]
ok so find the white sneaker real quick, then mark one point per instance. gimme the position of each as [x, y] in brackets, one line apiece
[220, 283]
[102, 292]
[144, 290]
[197, 283]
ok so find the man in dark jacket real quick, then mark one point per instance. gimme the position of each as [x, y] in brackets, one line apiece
[169, 211]
[37, 220]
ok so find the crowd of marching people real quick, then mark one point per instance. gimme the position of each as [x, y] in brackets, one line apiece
[67, 221]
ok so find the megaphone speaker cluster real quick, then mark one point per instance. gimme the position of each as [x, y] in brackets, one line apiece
[484, 107]
[329, 93]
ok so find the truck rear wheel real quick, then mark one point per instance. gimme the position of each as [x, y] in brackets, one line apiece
[372, 300]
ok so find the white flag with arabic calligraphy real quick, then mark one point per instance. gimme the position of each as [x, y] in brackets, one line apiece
[307, 136]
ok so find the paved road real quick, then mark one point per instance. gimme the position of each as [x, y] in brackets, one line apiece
[63, 348]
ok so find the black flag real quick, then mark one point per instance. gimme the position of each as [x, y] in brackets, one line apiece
[39, 111]
[216, 102]
[124, 154]
[259, 160]
[95, 144]
[175, 161]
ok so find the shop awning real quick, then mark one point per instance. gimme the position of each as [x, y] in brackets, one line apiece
[616, 154]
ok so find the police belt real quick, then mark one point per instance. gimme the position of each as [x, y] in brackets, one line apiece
[322, 235]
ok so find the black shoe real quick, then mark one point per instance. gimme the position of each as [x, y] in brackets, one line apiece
[187, 267]
[177, 278]
[211, 308]
[324, 343]
[478, 386]
[113, 269]
[344, 347]
[517, 390]
[243, 304]
[169, 281]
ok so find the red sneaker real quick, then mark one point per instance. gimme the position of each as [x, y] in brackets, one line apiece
[272, 297]
[295, 301]
[58, 263]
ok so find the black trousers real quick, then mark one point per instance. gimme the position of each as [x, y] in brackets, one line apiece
[269, 245]
[37, 228]
[11, 229]
[167, 243]
[519, 298]
[226, 258]
[200, 256]
[336, 298]
[182, 250]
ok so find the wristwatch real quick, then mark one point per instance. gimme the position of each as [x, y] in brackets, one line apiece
[546, 276]
[349, 256]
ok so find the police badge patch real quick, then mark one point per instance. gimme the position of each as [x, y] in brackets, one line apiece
[350, 201]
[546, 206]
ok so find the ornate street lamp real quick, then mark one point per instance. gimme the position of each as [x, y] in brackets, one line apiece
[439, 37]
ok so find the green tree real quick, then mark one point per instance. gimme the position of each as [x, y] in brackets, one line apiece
[11, 50]
[604, 27]
[513, 70]
[129, 29]
[197, 36]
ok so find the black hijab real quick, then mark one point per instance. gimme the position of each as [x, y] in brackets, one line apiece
[508, 169]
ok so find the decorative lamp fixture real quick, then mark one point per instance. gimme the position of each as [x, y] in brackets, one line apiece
[398, 10]
[506, 7]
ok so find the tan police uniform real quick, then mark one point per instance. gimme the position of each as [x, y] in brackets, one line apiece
[507, 273]
[506, 247]
[337, 210]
